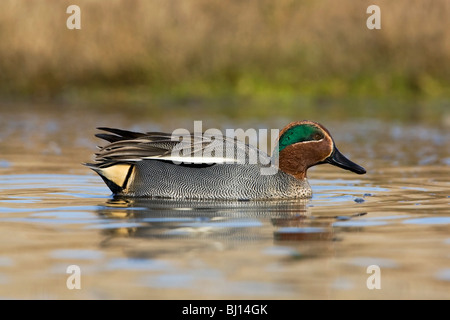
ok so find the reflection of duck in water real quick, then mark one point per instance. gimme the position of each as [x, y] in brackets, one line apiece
[229, 221]
[233, 221]
[157, 166]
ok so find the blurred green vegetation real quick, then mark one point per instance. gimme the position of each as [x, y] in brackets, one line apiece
[238, 58]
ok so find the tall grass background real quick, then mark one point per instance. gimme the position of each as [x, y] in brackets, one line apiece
[241, 58]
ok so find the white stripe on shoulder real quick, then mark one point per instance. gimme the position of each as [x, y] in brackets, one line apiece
[195, 160]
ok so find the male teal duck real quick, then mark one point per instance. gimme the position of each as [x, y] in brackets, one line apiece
[163, 165]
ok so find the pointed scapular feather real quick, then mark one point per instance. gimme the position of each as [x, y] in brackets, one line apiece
[122, 133]
[129, 146]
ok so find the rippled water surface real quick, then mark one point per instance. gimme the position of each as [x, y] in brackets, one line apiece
[55, 213]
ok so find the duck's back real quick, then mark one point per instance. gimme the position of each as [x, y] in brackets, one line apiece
[158, 165]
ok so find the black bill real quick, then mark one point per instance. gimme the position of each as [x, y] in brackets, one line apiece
[339, 160]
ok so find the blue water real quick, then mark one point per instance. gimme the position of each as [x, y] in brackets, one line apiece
[55, 213]
[207, 248]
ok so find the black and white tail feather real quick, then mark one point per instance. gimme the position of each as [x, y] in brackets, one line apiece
[115, 161]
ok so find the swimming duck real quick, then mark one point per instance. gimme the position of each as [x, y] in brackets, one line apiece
[203, 166]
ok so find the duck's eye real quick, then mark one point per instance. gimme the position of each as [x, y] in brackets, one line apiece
[318, 136]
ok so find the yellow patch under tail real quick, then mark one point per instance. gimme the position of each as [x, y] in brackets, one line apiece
[117, 177]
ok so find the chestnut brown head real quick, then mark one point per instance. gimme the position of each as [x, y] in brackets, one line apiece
[304, 144]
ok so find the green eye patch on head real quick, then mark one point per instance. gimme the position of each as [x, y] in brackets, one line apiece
[300, 133]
